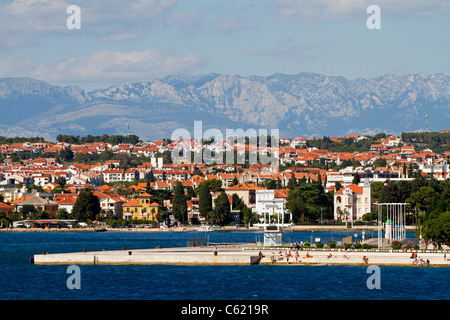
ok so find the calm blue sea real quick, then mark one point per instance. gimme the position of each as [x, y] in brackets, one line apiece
[21, 280]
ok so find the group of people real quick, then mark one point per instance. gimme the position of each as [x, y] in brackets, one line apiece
[286, 254]
[417, 260]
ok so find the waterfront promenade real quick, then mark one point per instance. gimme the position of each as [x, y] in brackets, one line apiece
[192, 229]
[248, 254]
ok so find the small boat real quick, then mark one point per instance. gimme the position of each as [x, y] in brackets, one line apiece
[100, 230]
[205, 228]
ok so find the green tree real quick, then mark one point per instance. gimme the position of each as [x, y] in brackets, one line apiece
[309, 201]
[236, 202]
[87, 206]
[62, 214]
[271, 184]
[204, 199]
[214, 185]
[66, 154]
[179, 205]
[190, 193]
[292, 183]
[248, 216]
[29, 212]
[221, 209]
[380, 162]
[424, 198]
[438, 228]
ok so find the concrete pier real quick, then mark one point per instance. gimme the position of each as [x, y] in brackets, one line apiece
[245, 255]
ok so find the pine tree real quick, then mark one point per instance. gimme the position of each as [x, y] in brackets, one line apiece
[292, 184]
[204, 200]
[221, 209]
[179, 207]
[87, 206]
[356, 179]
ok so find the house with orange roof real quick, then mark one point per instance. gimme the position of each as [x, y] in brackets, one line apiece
[352, 202]
[38, 202]
[141, 187]
[113, 175]
[162, 185]
[246, 191]
[131, 174]
[66, 200]
[110, 204]
[298, 142]
[141, 208]
[376, 147]
[6, 208]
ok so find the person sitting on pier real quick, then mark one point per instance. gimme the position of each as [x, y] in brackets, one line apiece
[365, 259]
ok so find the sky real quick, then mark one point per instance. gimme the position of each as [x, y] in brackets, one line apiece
[128, 41]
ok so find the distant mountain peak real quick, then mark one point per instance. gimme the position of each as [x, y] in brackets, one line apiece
[304, 104]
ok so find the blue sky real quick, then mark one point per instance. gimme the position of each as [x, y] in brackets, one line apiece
[126, 41]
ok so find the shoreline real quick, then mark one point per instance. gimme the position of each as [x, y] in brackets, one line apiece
[192, 229]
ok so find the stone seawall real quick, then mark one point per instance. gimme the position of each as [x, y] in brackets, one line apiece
[245, 256]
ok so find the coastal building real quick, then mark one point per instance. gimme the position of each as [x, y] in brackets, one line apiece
[141, 208]
[39, 203]
[66, 200]
[270, 207]
[246, 191]
[352, 202]
[113, 175]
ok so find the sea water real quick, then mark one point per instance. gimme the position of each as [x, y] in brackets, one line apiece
[22, 280]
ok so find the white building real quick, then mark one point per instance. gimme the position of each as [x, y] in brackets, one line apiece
[270, 208]
[352, 202]
[113, 175]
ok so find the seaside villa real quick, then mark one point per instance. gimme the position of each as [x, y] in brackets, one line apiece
[352, 202]
[141, 208]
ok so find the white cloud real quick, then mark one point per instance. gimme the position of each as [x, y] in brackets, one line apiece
[309, 11]
[27, 22]
[113, 66]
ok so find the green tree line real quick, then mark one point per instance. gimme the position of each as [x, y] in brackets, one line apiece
[429, 201]
[113, 139]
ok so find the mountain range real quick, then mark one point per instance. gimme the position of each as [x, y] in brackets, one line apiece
[298, 105]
